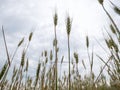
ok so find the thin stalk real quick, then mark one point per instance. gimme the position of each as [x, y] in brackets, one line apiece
[69, 61]
[56, 54]
[55, 18]
[60, 71]
[8, 58]
[68, 29]
[89, 57]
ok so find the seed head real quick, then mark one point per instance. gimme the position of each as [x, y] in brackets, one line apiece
[22, 40]
[27, 63]
[101, 1]
[117, 10]
[30, 36]
[45, 53]
[37, 73]
[87, 41]
[68, 25]
[46, 60]
[23, 58]
[76, 57]
[3, 70]
[112, 29]
[51, 55]
[55, 19]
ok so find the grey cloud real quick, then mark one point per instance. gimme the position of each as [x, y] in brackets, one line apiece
[20, 17]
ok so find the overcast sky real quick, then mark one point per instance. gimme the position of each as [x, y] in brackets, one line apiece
[20, 17]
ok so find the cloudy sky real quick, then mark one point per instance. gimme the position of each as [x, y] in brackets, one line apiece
[20, 17]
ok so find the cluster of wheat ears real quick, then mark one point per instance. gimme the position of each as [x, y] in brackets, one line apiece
[47, 78]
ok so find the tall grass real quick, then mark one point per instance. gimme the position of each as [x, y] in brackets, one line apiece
[68, 28]
[56, 48]
[47, 77]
